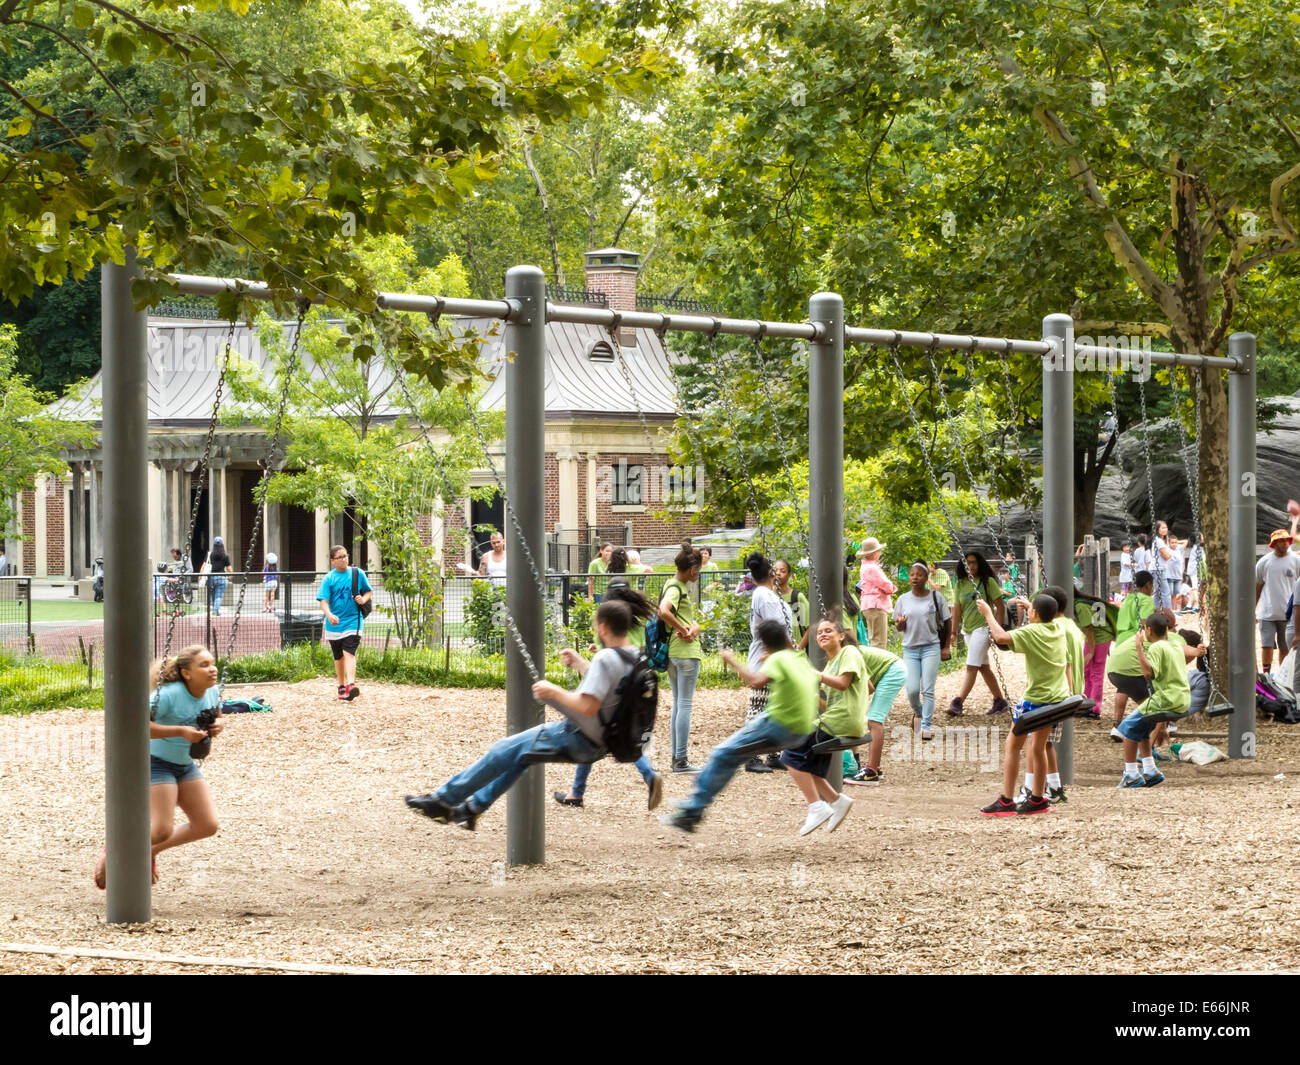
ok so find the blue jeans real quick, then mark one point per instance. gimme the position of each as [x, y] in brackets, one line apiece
[216, 592]
[922, 666]
[1162, 593]
[724, 761]
[583, 771]
[683, 675]
[506, 760]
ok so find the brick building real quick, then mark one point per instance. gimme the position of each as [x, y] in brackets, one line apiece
[607, 469]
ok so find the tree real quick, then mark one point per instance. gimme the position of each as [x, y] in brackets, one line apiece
[345, 454]
[976, 167]
[31, 438]
[284, 171]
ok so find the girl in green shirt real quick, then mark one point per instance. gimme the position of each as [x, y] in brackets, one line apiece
[677, 612]
[977, 584]
[797, 600]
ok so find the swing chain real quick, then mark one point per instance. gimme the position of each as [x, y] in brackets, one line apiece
[721, 362]
[205, 464]
[513, 629]
[1017, 440]
[259, 493]
[612, 330]
[1130, 521]
[938, 494]
[804, 538]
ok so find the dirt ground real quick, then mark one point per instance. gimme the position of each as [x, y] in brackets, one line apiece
[319, 861]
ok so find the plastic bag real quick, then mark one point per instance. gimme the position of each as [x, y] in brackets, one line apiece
[1198, 752]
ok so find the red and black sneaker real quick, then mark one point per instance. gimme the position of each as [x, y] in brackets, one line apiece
[1035, 804]
[352, 692]
[1000, 807]
[343, 691]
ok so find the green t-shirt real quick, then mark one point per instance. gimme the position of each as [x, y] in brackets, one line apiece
[792, 690]
[1044, 648]
[941, 583]
[798, 614]
[877, 663]
[1123, 658]
[1073, 651]
[1087, 613]
[636, 634]
[1135, 607]
[846, 711]
[599, 565]
[1168, 678]
[678, 596]
[971, 618]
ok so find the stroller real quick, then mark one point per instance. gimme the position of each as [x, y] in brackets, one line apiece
[97, 571]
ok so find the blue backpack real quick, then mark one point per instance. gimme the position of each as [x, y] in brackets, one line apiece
[656, 645]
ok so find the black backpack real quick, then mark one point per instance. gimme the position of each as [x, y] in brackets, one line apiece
[631, 723]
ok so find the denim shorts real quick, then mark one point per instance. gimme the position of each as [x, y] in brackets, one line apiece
[1136, 727]
[162, 771]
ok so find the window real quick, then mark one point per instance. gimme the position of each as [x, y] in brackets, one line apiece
[683, 485]
[628, 483]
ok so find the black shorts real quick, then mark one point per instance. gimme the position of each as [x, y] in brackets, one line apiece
[346, 643]
[1136, 688]
[802, 757]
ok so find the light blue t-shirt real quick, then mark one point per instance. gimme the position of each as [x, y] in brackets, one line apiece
[337, 588]
[173, 704]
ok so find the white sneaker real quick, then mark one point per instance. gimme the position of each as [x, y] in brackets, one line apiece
[818, 814]
[839, 811]
[1116, 735]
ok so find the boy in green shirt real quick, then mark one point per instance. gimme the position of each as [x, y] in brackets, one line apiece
[786, 721]
[1164, 665]
[1044, 647]
[1136, 606]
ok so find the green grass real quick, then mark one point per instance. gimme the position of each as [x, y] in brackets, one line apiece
[66, 610]
[29, 683]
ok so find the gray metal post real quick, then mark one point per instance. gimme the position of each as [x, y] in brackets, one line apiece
[1241, 548]
[826, 472]
[1058, 485]
[525, 491]
[126, 599]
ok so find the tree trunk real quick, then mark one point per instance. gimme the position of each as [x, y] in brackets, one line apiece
[1212, 463]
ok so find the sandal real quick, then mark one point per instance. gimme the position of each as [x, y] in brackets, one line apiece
[566, 800]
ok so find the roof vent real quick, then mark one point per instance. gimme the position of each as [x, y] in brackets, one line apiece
[600, 351]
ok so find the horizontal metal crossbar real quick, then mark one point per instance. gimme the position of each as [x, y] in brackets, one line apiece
[699, 323]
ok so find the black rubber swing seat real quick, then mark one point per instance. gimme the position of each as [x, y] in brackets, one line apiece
[752, 750]
[1033, 720]
[1220, 709]
[1165, 715]
[840, 743]
[1086, 707]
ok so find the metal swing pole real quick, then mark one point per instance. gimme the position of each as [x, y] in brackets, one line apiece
[525, 338]
[1058, 486]
[127, 605]
[826, 470]
[1241, 547]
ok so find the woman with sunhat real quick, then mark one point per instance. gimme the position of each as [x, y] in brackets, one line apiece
[874, 592]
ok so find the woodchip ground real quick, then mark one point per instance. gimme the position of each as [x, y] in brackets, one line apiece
[318, 860]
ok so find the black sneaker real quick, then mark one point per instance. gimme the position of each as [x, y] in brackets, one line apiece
[774, 761]
[655, 786]
[866, 775]
[432, 807]
[564, 799]
[681, 820]
[1033, 805]
[754, 765]
[1056, 796]
[683, 766]
[465, 817]
[1000, 807]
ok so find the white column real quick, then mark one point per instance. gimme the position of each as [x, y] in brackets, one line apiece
[567, 459]
[322, 540]
[216, 504]
[65, 492]
[591, 488]
[157, 492]
[437, 531]
[39, 533]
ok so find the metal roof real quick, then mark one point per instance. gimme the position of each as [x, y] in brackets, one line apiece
[185, 360]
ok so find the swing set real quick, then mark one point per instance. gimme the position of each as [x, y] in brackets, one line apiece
[525, 312]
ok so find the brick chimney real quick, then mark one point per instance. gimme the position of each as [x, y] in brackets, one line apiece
[613, 271]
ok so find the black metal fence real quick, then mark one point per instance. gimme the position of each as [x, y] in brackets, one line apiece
[16, 613]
